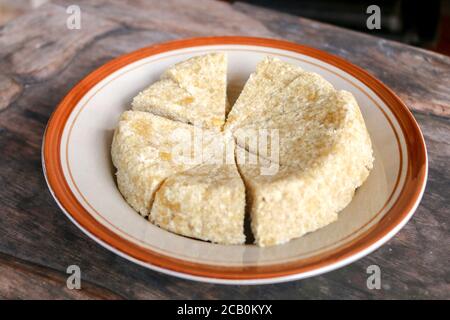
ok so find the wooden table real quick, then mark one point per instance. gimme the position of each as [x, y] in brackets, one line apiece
[40, 60]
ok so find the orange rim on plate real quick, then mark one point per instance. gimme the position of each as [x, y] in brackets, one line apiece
[401, 210]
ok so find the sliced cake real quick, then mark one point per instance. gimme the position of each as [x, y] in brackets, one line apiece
[192, 91]
[206, 202]
[323, 151]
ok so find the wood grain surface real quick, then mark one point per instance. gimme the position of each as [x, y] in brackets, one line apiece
[40, 60]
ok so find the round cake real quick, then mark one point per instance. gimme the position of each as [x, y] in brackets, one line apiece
[289, 153]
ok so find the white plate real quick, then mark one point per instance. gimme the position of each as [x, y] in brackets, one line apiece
[77, 164]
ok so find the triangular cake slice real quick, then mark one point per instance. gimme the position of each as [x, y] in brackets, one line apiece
[323, 151]
[192, 91]
[281, 206]
[271, 76]
[288, 201]
[206, 202]
[302, 116]
[147, 148]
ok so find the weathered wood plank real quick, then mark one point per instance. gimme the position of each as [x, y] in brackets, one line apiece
[185, 18]
[37, 45]
[21, 235]
[9, 90]
[420, 77]
[33, 229]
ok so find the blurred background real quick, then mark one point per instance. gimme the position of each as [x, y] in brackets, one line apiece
[423, 24]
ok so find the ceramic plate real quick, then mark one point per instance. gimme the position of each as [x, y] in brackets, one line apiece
[77, 165]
